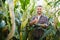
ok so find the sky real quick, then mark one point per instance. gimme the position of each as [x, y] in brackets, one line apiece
[40, 2]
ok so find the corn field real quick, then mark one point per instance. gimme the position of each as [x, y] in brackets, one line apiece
[15, 16]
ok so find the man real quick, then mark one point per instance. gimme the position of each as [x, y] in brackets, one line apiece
[42, 21]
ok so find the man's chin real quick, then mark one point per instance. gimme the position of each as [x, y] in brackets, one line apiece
[39, 13]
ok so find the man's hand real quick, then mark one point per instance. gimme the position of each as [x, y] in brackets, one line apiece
[34, 21]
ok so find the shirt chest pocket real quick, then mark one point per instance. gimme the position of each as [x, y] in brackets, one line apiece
[42, 21]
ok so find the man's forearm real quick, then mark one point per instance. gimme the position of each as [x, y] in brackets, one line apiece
[44, 25]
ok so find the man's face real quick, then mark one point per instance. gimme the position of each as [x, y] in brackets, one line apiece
[39, 10]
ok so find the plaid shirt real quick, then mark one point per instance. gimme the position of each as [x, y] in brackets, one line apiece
[42, 20]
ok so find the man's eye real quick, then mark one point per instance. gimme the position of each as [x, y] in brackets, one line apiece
[37, 9]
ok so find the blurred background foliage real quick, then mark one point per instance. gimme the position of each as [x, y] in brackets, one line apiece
[19, 12]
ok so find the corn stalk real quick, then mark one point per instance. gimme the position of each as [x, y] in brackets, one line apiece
[27, 9]
[11, 10]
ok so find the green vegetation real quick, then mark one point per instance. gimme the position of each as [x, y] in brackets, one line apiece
[15, 16]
